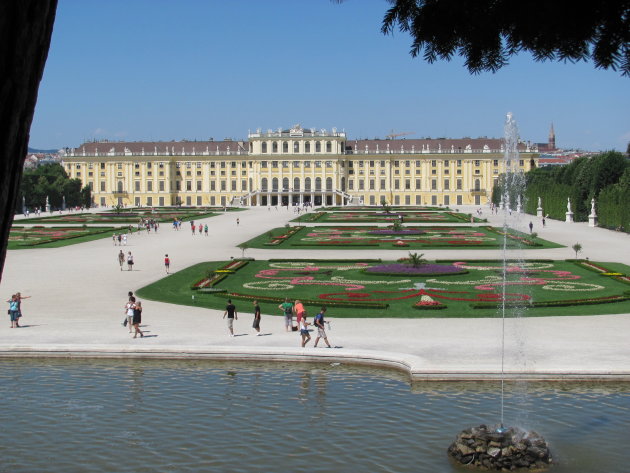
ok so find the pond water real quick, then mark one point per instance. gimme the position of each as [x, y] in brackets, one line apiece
[196, 416]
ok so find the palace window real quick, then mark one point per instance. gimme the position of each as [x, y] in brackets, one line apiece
[407, 184]
[149, 186]
[296, 147]
[418, 184]
[407, 164]
[263, 184]
[459, 184]
[329, 164]
[233, 185]
[318, 147]
[296, 164]
[274, 164]
[274, 147]
[318, 183]
[372, 186]
[102, 186]
[495, 162]
[361, 185]
[285, 164]
[433, 163]
[307, 184]
[318, 164]
[213, 185]
[263, 164]
[263, 147]
[328, 147]
[396, 184]
[198, 185]
[477, 162]
[188, 185]
[433, 184]
[350, 184]
[223, 185]
[382, 184]
[307, 164]
[447, 185]
[243, 184]
[161, 186]
[285, 147]
[459, 162]
[307, 147]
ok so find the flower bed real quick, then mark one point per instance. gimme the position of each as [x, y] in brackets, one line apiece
[565, 303]
[401, 269]
[220, 274]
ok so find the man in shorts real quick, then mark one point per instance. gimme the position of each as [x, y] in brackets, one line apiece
[121, 259]
[256, 324]
[230, 311]
[319, 323]
[287, 310]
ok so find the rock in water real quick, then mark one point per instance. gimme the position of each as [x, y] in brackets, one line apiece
[489, 448]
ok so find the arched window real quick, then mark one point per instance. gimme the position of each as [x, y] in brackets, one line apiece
[307, 147]
[296, 183]
[274, 147]
[285, 184]
[296, 147]
[263, 184]
[318, 183]
[285, 147]
[307, 184]
[120, 186]
[329, 183]
[264, 147]
[274, 184]
[318, 147]
[328, 147]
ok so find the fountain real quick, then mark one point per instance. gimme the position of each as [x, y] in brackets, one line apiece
[499, 447]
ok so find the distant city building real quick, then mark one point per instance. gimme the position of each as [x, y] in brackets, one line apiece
[550, 146]
[291, 167]
[34, 160]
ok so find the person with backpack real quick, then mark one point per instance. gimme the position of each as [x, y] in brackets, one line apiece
[287, 310]
[321, 331]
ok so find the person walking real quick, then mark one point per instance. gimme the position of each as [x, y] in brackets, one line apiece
[13, 311]
[299, 310]
[129, 261]
[531, 226]
[124, 238]
[121, 259]
[205, 229]
[230, 312]
[137, 319]
[287, 310]
[129, 311]
[167, 263]
[256, 324]
[200, 229]
[306, 337]
[319, 323]
[114, 239]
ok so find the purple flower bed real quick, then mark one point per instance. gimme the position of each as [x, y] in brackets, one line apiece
[394, 232]
[424, 269]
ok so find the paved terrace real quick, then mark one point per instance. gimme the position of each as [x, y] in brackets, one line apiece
[78, 293]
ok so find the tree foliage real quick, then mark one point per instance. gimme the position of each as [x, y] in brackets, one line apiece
[604, 177]
[51, 180]
[488, 32]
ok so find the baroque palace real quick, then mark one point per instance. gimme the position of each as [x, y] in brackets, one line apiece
[293, 167]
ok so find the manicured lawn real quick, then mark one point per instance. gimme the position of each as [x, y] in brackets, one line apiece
[385, 217]
[54, 237]
[125, 216]
[455, 237]
[349, 288]
[379, 208]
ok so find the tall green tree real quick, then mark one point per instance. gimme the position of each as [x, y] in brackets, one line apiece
[486, 33]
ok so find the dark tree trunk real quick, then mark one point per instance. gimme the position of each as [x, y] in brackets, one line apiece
[25, 30]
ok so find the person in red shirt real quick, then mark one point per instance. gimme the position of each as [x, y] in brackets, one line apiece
[167, 263]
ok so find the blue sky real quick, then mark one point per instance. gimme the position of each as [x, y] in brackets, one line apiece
[193, 69]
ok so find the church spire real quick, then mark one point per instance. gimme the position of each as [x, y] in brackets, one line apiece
[552, 138]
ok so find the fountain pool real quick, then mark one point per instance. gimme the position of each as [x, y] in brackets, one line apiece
[180, 416]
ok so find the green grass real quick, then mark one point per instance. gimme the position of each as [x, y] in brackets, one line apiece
[128, 216]
[557, 281]
[382, 217]
[339, 237]
[27, 238]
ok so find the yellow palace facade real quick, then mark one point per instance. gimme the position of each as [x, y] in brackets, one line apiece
[293, 167]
